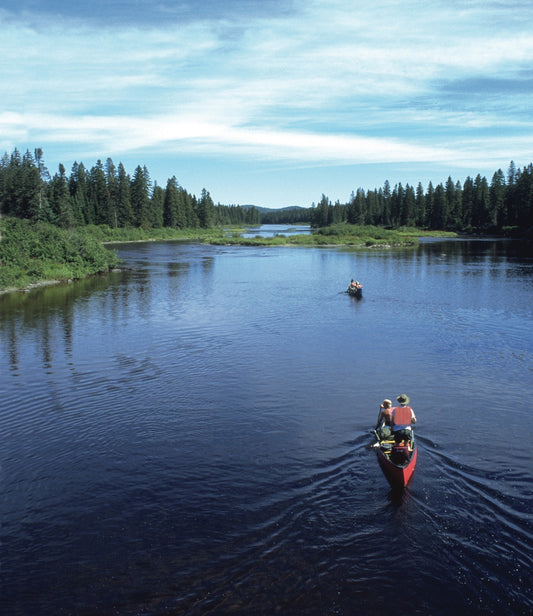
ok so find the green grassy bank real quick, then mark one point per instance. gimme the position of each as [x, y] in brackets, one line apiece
[354, 236]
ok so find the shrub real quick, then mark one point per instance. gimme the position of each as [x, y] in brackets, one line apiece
[38, 251]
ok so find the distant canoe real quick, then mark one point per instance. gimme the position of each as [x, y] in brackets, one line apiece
[355, 292]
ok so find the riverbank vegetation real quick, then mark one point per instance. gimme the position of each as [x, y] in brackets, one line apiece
[504, 207]
[340, 234]
[33, 252]
[53, 227]
[106, 195]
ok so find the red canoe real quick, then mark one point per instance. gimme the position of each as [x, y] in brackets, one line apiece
[397, 462]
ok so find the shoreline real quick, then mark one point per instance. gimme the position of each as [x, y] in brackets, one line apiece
[34, 285]
[39, 284]
[377, 244]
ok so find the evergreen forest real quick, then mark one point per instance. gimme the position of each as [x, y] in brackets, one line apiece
[107, 195]
[504, 205]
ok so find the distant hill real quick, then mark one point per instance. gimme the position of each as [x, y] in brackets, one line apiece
[291, 214]
[266, 210]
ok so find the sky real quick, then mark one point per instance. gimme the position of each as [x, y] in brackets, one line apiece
[271, 102]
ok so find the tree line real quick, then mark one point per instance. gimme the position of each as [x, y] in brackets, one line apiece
[106, 195]
[474, 206]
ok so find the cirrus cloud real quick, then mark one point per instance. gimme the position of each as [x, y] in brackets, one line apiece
[319, 83]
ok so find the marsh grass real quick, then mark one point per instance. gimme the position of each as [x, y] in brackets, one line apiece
[354, 236]
[108, 235]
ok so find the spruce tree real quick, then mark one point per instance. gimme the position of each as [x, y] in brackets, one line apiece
[60, 200]
[523, 195]
[481, 203]
[408, 207]
[156, 207]
[439, 213]
[387, 212]
[497, 199]
[171, 203]
[32, 194]
[98, 194]
[125, 217]
[140, 197]
[206, 210]
[112, 193]
[78, 191]
[467, 203]
[420, 206]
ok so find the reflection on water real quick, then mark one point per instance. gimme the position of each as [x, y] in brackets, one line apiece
[190, 435]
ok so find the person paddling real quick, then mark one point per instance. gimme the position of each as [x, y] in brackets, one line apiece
[383, 424]
[403, 417]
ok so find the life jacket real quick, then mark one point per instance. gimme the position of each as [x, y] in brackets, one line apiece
[401, 416]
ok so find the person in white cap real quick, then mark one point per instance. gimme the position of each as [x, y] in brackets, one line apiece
[383, 424]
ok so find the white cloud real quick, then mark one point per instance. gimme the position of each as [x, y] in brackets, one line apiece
[121, 135]
[319, 85]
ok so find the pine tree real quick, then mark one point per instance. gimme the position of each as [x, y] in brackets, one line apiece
[467, 203]
[320, 215]
[497, 190]
[60, 199]
[481, 203]
[452, 205]
[140, 197]
[396, 204]
[373, 208]
[98, 194]
[420, 206]
[78, 193]
[45, 178]
[125, 215]
[387, 211]
[206, 210]
[523, 196]
[351, 210]
[190, 216]
[32, 195]
[337, 213]
[439, 213]
[156, 207]
[112, 193]
[408, 207]
[512, 174]
[13, 203]
[459, 206]
[359, 208]
[429, 198]
[171, 204]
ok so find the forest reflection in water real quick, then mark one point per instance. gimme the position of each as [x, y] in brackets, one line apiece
[190, 435]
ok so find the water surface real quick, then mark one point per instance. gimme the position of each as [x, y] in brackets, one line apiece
[190, 436]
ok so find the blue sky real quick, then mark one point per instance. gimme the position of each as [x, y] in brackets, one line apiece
[271, 102]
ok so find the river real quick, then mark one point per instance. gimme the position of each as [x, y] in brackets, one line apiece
[191, 435]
